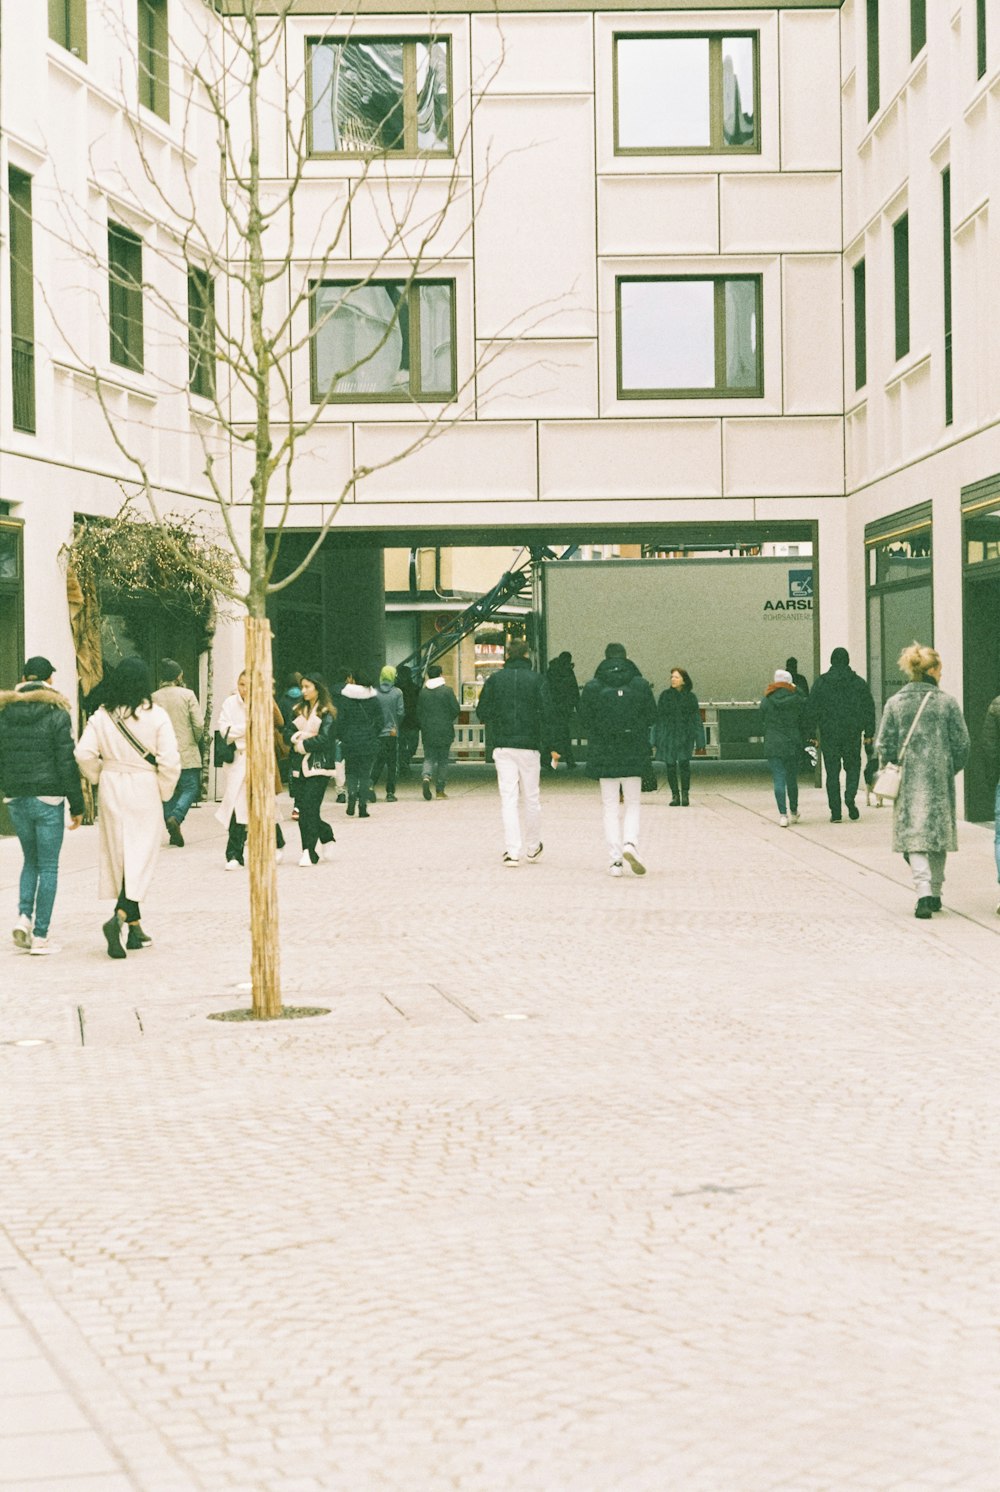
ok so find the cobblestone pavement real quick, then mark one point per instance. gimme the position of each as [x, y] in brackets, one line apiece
[584, 1185]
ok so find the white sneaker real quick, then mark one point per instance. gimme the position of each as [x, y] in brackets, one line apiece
[42, 945]
[305, 858]
[783, 820]
[233, 865]
[796, 817]
[21, 932]
[279, 855]
[633, 859]
[328, 852]
[536, 853]
[511, 861]
[616, 868]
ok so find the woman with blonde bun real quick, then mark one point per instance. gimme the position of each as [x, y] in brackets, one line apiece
[924, 825]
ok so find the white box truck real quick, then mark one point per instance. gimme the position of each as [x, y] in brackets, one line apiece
[729, 622]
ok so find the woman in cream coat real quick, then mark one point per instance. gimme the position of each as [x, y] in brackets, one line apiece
[136, 778]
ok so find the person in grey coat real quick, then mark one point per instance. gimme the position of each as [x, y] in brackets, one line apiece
[991, 751]
[924, 822]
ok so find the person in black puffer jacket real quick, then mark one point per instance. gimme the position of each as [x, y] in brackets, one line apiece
[842, 711]
[514, 708]
[359, 723]
[782, 713]
[617, 709]
[38, 772]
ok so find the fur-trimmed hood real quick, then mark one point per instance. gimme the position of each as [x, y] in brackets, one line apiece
[30, 693]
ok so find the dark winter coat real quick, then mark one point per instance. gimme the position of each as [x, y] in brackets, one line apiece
[36, 746]
[359, 720]
[411, 693]
[617, 709]
[924, 812]
[840, 706]
[782, 714]
[564, 691]
[680, 731]
[437, 711]
[991, 740]
[513, 706]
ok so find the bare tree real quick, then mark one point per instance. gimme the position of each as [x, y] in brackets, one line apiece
[251, 281]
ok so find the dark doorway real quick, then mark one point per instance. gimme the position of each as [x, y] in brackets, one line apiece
[982, 683]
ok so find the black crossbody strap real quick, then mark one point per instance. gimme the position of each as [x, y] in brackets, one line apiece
[147, 756]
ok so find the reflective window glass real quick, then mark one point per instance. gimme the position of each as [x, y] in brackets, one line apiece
[384, 340]
[379, 97]
[686, 93]
[689, 336]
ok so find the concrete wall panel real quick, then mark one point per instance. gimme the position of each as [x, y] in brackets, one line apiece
[630, 458]
[810, 91]
[542, 378]
[532, 54]
[779, 214]
[535, 229]
[658, 214]
[783, 458]
[492, 462]
[811, 334]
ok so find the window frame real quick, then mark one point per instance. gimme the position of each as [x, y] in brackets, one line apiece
[981, 46]
[872, 58]
[859, 281]
[410, 150]
[719, 281]
[946, 271]
[412, 287]
[202, 349]
[68, 18]
[716, 145]
[22, 301]
[153, 45]
[125, 303]
[918, 28]
[901, 286]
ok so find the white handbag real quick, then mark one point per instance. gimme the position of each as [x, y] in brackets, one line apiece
[890, 777]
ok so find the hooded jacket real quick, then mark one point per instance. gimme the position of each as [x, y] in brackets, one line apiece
[617, 709]
[437, 711]
[36, 746]
[359, 720]
[840, 706]
[782, 713]
[513, 706]
[390, 701]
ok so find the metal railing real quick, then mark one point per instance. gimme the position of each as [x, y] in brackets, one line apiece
[23, 380]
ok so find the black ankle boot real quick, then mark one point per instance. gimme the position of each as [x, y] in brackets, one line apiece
[136, 937]
[112, 930]
[924, 908]
[350, 807]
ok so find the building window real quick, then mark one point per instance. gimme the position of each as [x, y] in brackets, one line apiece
[154, 86]
[860, 326]
[949, 387]
[899, 594]
[380, 96]
[918, 26]
[980, 38]
[384, 340]
[68, 25]
[690, 337]
[686, 94]
[901, 283]
[125, 297]
[201, 332]
[871, 18]
[22, 302]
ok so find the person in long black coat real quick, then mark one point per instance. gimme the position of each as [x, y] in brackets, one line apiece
[680, 732]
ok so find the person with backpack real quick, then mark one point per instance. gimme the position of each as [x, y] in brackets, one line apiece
[617, 709]
[513, 708]
[841, 712]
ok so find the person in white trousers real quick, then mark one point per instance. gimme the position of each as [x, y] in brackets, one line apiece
[513, 707]
[617, 709]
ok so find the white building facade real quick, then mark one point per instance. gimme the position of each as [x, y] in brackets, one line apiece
[718, 274]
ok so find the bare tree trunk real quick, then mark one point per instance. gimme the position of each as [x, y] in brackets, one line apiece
[265, 963]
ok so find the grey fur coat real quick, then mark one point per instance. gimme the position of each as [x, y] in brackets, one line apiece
[924, 815]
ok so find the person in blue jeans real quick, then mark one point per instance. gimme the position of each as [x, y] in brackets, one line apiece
[782, 712]
[188, 720]
[991, 752]
[38, 774]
